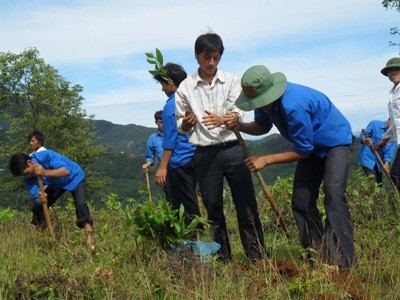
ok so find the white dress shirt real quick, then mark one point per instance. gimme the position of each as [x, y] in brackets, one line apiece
[218, 97]
[393, 132]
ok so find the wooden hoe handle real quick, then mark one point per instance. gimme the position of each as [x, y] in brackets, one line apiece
[148, 186]
[264, 186]
[45, 208]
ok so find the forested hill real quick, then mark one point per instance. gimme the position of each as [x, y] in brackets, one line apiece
[129, 139]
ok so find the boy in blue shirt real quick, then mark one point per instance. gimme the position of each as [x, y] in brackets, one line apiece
[369, 163]
[321, 138]
[177, 164]
[154, 143]
[60, 174]
[154, 150]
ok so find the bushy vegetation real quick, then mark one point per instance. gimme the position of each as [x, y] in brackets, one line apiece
[129, 265]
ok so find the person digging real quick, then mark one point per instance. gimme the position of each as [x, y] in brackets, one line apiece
[59, 174]
[321, 140]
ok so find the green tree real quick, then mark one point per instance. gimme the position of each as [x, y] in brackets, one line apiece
[34, 96]
[389, 4]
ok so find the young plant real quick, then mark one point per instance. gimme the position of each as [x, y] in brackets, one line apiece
[161, 223]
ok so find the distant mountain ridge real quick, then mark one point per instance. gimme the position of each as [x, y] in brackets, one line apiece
[132, 139]
[129, 139]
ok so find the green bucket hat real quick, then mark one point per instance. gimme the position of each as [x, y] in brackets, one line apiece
[391, 63]
[260, 88]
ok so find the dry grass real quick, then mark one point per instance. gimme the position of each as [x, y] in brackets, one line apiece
[33, 266]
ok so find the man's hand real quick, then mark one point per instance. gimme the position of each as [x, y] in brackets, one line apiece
[42, 198]
[161, 177]
[256, 163]
[231, 120]
[212, 120]
[367, 141]
[386, 167]
[38, 169]
[189, 120]
[146, 166]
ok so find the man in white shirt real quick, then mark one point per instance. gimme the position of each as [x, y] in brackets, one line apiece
[204, 102]
[392, 71]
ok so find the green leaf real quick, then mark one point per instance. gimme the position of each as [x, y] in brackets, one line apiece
[181, 211]
[177, 227]
[157, 61]
[159, 57]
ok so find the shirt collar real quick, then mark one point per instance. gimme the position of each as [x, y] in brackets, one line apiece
[220, 76]
[394, 88]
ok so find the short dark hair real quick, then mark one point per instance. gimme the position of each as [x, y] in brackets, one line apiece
[174, 71]
[18, 163]
[158, 115]
[209, 42]
[37, 135]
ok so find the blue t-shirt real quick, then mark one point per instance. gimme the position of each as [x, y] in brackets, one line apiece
[51, 160]
[375, 129]
[154, 147]
[308, 119]
[183, 151]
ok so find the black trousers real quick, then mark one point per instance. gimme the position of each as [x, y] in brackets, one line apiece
[182, 182]
[378, 175]
[213, 164]
[335, 240]
[53, 193]
[167, 190]
[395, 169]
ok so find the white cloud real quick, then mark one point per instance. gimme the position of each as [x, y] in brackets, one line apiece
[337, 47]
[90, 31]
[122, 97]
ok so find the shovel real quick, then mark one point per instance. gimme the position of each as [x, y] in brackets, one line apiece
[264, 186]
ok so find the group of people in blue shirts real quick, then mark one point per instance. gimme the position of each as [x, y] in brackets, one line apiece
[209, 108]
[200, 121]
[59, 174]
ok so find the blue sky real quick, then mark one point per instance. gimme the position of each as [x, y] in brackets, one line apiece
[337, 47]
